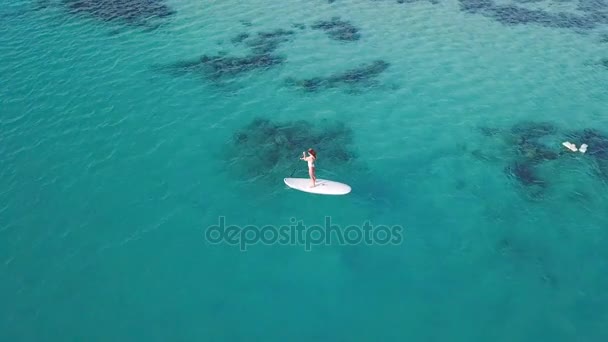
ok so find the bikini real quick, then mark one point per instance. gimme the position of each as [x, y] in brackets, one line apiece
[311, 163]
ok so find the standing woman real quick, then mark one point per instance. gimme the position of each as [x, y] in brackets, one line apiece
[312, 157]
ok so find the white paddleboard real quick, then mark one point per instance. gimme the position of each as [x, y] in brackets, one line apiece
[322, 187]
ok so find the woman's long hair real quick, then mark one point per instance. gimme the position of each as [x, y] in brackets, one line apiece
[312, 152]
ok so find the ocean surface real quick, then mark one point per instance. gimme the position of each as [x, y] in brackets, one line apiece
[128, 128]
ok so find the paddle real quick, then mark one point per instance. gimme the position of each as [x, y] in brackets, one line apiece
[294, 170]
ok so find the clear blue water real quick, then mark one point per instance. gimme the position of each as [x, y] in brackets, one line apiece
[113, 166]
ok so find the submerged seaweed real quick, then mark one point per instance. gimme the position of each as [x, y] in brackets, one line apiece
[267, 42]
[338, 29]
[362, 75]
[133, 12]
[592, 6]
[263, 42]
[215, 67]
[512, 14]
[528, 130]
[524, 173]
[528, 151]
[474, 6]
[596, 140]
[535, 152]
[267, 144]
[220, 66]
[488, 131]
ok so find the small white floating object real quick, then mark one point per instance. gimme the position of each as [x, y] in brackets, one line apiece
[570, 146]
[583, 148]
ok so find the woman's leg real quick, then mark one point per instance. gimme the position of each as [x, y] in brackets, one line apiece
[313, 177]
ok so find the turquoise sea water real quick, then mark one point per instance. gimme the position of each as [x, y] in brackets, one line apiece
[112, 168]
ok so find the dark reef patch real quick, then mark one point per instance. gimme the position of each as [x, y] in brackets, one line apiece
[595, 13]
[220, 66]
[529, 151]
[263, 42]
[434, 2]
[267, 42]
[528, 1]
[473, 6]
[592, 6]
[513, 15]
[534, 152]
[532, 144]
[596, 140]
[509, 14]
[338, 29]
[132, 12]
[264, 144]
[240, 38]
[528, 130]
[361, 76]
[524, 173]
[488, 131]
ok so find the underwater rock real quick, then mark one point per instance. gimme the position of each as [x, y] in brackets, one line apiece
[534, 152]
[240, 38]
[267, 42]
[597, 142]
[599, 17]
[473, 6]
[528, 130]
[573, 21]
[489, 131]
[263, 42]
[135, 12]
[524, 173]
[215, 67]
[434, 2]
[267, 144]
[528, 150]
[509, 14]
[362, 75]
[592, 5]
[219, 66]
[338, 29]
